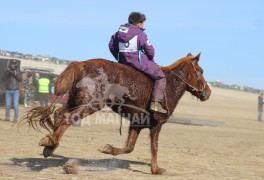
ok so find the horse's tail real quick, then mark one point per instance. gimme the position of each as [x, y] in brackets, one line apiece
[40, 116]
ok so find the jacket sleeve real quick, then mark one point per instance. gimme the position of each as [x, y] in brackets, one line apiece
[146, 46]
[37, 85]
[18, 76]
[113, 46]
[4, 78]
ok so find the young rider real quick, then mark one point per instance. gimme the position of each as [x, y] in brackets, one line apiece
[130, 46]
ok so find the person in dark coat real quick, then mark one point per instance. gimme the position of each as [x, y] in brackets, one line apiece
[12, 76]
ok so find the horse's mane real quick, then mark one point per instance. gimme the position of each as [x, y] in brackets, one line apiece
[101, 61]
[176, 63]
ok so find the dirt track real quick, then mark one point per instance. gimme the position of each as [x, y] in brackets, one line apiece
[234, 150]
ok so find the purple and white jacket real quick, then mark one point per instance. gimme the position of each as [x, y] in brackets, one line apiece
[130, 45]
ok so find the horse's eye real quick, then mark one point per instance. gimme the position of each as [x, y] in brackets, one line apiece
[201, 70]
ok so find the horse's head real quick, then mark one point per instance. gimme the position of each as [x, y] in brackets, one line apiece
[196, 84]
[188, 70]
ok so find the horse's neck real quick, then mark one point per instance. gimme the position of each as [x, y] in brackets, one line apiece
[175, 87]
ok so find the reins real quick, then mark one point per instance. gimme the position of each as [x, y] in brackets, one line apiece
[191, 86]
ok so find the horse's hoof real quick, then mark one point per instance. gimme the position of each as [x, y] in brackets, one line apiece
[46, 141]
[48, 150]
[107, 149]
[158, 171]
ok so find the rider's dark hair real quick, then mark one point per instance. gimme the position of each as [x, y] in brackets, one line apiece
[136, 17]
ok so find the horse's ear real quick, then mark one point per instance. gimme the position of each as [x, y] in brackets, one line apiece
[196, 58]
[189, 54]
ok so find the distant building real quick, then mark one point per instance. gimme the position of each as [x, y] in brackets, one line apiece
[235, 87]
[2, 52]
[7, 53]
[28, 56]
[42, 58]
[45, 59]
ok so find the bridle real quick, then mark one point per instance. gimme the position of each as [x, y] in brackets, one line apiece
[188, 84]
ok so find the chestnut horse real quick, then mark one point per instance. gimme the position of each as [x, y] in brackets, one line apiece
[92, 84]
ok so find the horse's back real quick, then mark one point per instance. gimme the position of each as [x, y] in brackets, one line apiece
[113, 68]
[122, 78]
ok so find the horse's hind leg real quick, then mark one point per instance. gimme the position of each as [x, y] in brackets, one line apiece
[59, 116]
[130, 144]
[63, 119]
[53, 141]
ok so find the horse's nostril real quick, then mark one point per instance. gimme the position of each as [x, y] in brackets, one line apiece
[203, 93]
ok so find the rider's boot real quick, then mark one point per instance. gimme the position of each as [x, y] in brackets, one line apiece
[156, 106]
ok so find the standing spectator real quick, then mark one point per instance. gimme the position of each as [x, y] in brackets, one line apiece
[12, 76]
[260, 106]
[44, 89]
[29, 91]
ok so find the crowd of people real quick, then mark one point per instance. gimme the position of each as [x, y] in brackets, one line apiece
[37, 86]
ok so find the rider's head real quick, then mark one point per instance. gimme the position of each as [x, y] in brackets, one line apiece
[137, 19]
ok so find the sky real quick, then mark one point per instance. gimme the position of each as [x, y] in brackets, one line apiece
[228, 33]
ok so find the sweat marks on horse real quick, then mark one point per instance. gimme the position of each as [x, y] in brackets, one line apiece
[96, 83]
[108, 91]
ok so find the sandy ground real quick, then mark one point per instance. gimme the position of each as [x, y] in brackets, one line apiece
[234, 150]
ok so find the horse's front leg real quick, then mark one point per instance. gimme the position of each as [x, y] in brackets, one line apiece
[154, 135]
[130, 144]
